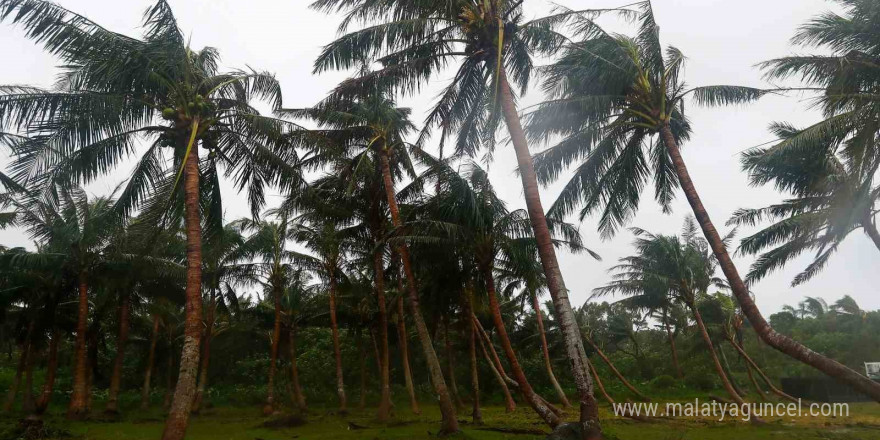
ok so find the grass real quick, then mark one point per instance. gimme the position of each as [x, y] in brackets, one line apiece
[241, 423]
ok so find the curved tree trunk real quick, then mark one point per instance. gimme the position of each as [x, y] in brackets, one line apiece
[764, 377]
[184, 392]
[599, 384]
[51, 373]
[729, 372]
[404, 352]
[574, 348]
[449, 422]
[151, 359]
[450, 365]
[771, 337]
[524, 387]
[715, 362]
[337, 351]
[206, 352]
[122, 338]
[269, 408]
[616, 371]
[754, 382]
[671, 337]
[78, 400]
[384, 413]
[495, 363]
[546, 350]
[298, 396]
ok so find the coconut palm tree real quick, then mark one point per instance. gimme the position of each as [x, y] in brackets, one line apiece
[491, 43]
[157, 92]
[618, 105]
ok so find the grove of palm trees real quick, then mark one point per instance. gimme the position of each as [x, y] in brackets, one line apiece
[193, 248]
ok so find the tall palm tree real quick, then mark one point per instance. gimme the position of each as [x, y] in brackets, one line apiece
[489, 39]
[618, 104]
[158, 90]
[368, 125]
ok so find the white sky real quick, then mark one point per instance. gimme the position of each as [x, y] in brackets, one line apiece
[722, 39]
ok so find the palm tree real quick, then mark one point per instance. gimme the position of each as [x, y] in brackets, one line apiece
[414, 41]
[369, 126]
[156, 90]
[617, 103]
[680, 268]
[298, 301]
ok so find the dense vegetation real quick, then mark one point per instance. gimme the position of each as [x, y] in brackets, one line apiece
[391, 273]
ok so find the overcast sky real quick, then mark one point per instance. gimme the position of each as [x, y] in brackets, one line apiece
[723, 40]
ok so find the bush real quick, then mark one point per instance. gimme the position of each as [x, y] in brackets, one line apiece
[663, 382]
[702, 381]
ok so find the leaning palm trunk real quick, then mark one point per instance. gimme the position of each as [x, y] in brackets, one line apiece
[771, 337]
[78, 400]
[546, 350]
[151, 359]
[476, 413]
[116, 378]
[298, 396]
[404, 352]
[384, 413]
[337, 352]
[714, 355]
[600, 385]
[449, 422]
[524, 387]
[616, 371]
[51, 373]
[450, 366]
[764, 377]
[761, 392]
[184, 392]
[574, 348]
[495, 364]
[269, 408]
[675, 363]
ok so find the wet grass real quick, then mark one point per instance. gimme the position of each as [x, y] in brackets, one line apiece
[240, 423]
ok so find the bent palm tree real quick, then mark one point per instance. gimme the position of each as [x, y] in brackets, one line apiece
[617, 102]
[117, 91]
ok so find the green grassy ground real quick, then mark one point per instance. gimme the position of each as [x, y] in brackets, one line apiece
[236, 423]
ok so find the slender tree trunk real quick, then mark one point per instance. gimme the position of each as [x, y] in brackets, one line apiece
[269, 408]
[525, 388]
[151, 359]
[363, 367]
[476, 413]
[589, 411]
[675, 363]
[616, 371]
[495, 363]
[51, 373]
[754, 382]
[760, 372]
[449, 422]
[600, 385]
[546, 350]
[298, 396]
[715, 362]
[450, 365]
[206, 353]
[122, 338]
[741, 292]
[404, 352]
[28, 404]
[729, 372]
[78, 400]
[22, 364]
[178, 417]
[337, 351]
[384, 413]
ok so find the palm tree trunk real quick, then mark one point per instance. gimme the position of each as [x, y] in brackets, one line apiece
[600, 385]
[449, 422]
[269, 408]
[450, 365]
[384, 413]
[671, 337]
[28, 404]
[122, 338]
[22, 364]
[729, 372]
[754, 382]
[574, 348]
[714, 355]
[616, 371]
[546, 350]
[51, 373]
[92, 350]
[337, 351]
[760, 372]
[495, 363]
[78, 400]
[404, 352]
[476, 413]
[206, 353]
[298, 396]
[741, 292]
[184, 392]
[151, 359]
[363, 361]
